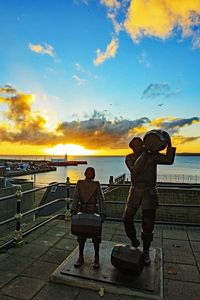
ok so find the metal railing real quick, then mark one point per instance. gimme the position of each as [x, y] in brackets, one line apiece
[108, 188]
[172, 178]
[18, 235]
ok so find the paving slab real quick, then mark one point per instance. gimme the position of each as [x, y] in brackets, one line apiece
[107, 236]
[47, 240]
[42, 294]
[16, 264]
[177, 251]
[3, 256]
[174, 234]
[23, 288]
[58, 231]
[40, 270]
[178, 256]
[66, 244]
[181, 290]
[138, 286]
[181, 272]
[71, 236]
[194, 235]
[196, 246]
[5, 277]
[3, 297]
[31, 250]
[156, 243]
[119, 238]
[57, 292]
[54, 255]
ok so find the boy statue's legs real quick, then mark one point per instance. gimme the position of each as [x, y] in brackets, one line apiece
[80, 261]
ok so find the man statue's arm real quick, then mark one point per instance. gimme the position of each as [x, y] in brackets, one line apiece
[166, 159]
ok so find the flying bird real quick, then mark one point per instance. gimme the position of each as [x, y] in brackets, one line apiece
[161, 104]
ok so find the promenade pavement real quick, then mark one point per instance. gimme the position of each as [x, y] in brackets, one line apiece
[25, 270]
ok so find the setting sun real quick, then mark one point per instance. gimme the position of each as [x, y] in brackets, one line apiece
[70, 149]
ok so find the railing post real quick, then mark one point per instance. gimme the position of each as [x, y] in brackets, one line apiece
[68, 200]
[111, 180]
[18, 233]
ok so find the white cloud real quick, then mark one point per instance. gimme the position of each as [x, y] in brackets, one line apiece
[80, 81]
[144, 59]
[196, 43]
[77, 2]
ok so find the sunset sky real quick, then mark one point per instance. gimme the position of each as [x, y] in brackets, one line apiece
[86, 76]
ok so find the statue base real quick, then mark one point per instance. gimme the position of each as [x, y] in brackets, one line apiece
[146, 285]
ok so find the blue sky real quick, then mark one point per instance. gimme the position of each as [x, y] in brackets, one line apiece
[49, 49]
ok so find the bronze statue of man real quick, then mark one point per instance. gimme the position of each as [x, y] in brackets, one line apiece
[142, 164]
[88, 198]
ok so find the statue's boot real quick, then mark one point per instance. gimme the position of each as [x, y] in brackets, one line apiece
[135, 243]
[96, 264]
[80, 260]
[147, 239]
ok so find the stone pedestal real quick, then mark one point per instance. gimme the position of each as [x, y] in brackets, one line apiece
[147, 285]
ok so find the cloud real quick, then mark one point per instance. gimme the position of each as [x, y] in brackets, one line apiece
[117, 25]
[79, 68]
[93, 131]
[23, 125]
[156, 18]
[196, 43]
[109, 52]
[144, 59]
[155, 90]
[7, 89]
[111, 3]
[46, 49]
[80, 81]
[160, 18]
[173, 125]
[100, 132]
[78, 2]
[180, 139]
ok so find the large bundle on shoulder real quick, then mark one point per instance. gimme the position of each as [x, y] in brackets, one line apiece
[156, 140]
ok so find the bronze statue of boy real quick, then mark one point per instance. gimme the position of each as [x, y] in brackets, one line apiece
[89, 199]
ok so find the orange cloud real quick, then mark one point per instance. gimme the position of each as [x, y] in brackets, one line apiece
[111, 3]
[159, 18]
[46, 49]
[109, 52]
[96, 131]
[180, 139]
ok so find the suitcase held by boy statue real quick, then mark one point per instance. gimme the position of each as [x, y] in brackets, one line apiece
[88, 225]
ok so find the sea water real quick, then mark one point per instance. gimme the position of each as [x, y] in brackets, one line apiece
[185, 169]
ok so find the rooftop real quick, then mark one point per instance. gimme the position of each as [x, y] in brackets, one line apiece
[25, 270]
